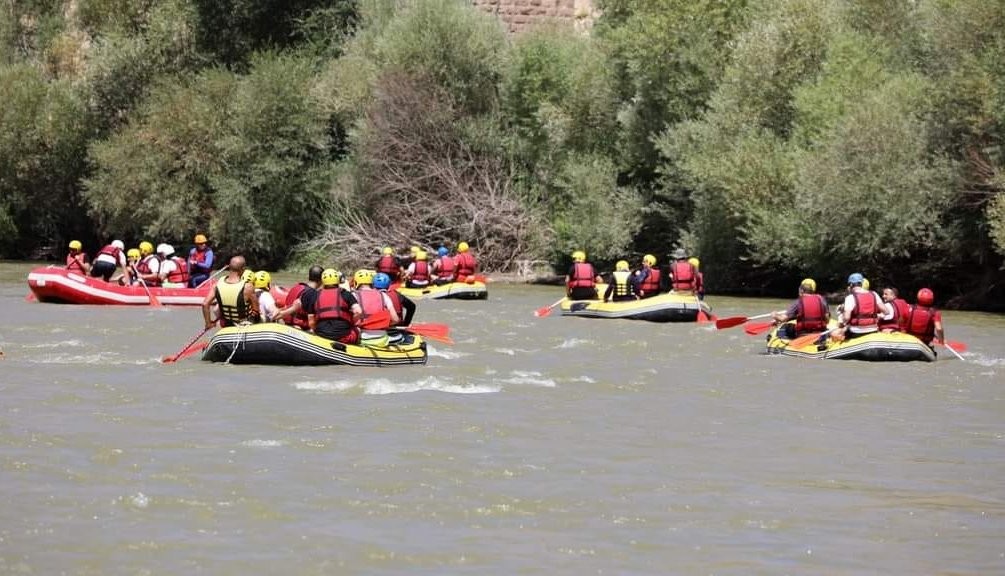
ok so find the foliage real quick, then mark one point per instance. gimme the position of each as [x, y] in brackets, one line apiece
[43, 138]
[242, 157]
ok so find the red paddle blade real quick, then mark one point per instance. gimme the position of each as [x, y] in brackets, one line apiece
[155, 302]
[757, 328]
[955, 345]
[702, 317]
[29, 297]
[723, 323]
[542, 312]
[378, 321]
[804, 340]
[431, 328]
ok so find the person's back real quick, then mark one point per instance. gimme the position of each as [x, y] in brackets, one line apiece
[389, 264]
[924, 322]
[466, 263]
[230, 295]
[580, 282]
[109, 258]
[682, 273]
[419, 273]
[267, 308]
[862, 308]
[650, 281]
[334, 311]
[444, 267]
[620, 289]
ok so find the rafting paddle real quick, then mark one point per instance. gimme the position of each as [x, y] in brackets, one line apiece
[546, 310]
[153, 299]
[437, 332]
[758, 328]
[723, 323]
[954, 345]
[948, 345]
[170, 359]
[806, 339]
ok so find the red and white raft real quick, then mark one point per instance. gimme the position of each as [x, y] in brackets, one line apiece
[62, 286]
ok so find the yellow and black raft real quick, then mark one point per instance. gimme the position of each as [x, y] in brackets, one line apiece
[457, 290]
[668, 307]
[875, 347]
[280, 344]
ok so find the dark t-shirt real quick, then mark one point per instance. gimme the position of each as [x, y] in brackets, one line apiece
[331, 328]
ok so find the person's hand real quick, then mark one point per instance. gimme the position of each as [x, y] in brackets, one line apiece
[209, 324]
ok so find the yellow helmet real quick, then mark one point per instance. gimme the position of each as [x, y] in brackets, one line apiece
[462, 247]
[809, 283]
[263, 280]
[579, 256]
[76, 245]
[414, 250]
[421, 255]
[649, 260]
[132, 253]
[363, 277]
[200, 238]
[621, 266]
[248, 275]
[865, 283]
[387, 251]
[694, 262]
[146, 248]
[330, 277]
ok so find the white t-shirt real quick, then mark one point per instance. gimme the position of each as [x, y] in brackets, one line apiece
[152, 263]
[266, 305]
[411, 271]
[166, 268]
[109, 258]
[885, 311]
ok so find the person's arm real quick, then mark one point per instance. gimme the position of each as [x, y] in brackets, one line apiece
[789, 313]
[940, 333]
[207, 305]
[291, 309]
[409, 308]
[249, 297]
[609, 291]
[207, 263]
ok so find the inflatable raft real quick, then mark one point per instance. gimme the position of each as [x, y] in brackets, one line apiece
[875, 347]
[280, 344]
[458, 290]
[63, 286]
[669, 307]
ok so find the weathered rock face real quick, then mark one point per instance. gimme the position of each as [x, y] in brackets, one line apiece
[521, 14]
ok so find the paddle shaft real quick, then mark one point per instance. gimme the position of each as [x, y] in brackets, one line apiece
[169, 359]
[950, 348]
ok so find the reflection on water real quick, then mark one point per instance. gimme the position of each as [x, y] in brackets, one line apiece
[533, 446]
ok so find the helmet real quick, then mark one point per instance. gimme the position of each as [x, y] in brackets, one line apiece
[579, 256]
[146, 248]
[442, 251]
[263, 279]
[462, 247]
[926, 297]
[679, 254]
[694, 262]
[165, 249]
[856, 278]
[414, 250]
[865, 283]
[314, 274]
[363, 277]
[133, 253]
[200, 238]
[387, 251]
[118, 244]
[330, 277]
[381, 281]
[248, 275]
[621, 266]
[649, 260]
[76, 245]
[809, 284]
[421, 255]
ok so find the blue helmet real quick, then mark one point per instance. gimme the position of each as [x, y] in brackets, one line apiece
[856, 278]
[443, 251]
[381, 281]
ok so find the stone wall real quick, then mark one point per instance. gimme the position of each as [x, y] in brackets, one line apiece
[520, 14]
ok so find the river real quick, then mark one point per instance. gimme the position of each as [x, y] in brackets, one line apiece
[531, 446]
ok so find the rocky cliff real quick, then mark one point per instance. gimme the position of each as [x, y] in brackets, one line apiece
[520, 14]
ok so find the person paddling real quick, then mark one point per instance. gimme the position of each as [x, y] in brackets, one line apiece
[76, 259]
[334, 313]
[649, 278]
[444, 267]
[419, 273]
[809, 310]
[581, 280]
[403, 305]
[389, 264]
[621, 287]
[860, 313]
[234, 296]
[684, 278]
[109, 258]
[373, 303]
[295, 312]
[923, 321]
[466, 262]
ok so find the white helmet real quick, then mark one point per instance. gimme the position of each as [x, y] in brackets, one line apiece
[118, 244]
[165, 249]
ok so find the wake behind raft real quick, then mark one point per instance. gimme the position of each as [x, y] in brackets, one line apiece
[284, 345]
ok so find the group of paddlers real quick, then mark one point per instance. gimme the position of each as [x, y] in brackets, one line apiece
[356, 310]
[646, 281]
[863, 311]
[145, 265]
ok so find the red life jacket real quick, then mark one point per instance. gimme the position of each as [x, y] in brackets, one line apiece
[900, 311]
[300, 318]
[180, 273]
[582, 276]
[375, 314]
[331, 305]
[651, 284]
[388, 265]
[921, 323]
[112, 251]
[466, 264]
[683, 275]
[196, 257]
[143, 266]
[812, 313]
[446, 268]
[396, 303]
[865, 312]
[421, 272]
[75, 265]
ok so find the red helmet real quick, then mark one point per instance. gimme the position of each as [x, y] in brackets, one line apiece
[925, 297]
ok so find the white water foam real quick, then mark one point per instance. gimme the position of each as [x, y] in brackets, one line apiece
[323, 386]
[506, 351]
[585, 379]
[448, 354]
[529, 378]
[59, 344]
[573, 343]
[980, 359]
[263, 443]
[382, 386]
[100, 358]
